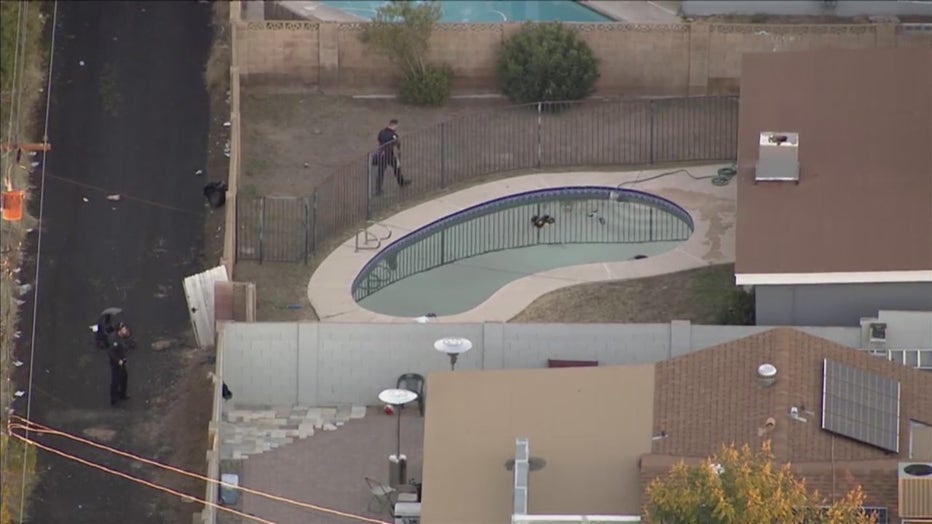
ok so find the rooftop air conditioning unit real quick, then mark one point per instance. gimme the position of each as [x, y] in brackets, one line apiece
[874, 336]
[877, 332]
[915, 490]
[778, 159]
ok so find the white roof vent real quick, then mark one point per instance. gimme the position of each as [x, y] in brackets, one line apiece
[778, 158]
[766, 375]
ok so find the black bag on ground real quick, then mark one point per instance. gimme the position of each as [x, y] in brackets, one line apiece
[216, 194]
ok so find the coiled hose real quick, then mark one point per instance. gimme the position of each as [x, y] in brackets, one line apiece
[721, 178]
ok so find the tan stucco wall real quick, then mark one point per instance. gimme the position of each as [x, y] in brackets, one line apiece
[635, 58]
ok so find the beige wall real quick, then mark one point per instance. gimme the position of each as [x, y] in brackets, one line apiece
[278, 51]
[591, 425]
[727, 43]
[675, 59]
[914, 38]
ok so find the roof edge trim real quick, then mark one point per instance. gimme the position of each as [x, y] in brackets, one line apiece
[847, 277]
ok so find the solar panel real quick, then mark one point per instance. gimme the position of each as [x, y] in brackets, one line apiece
[861, 405]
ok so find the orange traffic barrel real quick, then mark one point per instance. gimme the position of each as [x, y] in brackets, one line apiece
[12, 205]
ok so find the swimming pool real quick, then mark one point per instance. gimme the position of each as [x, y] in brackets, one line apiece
[489, 11]
[454, 264]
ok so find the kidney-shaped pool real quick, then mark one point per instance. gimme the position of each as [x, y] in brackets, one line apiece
[454, 264]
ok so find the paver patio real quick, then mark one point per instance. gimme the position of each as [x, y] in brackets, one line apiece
[329, 469]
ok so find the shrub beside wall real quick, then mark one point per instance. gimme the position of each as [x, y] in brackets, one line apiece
[546, 62]
[401, 30]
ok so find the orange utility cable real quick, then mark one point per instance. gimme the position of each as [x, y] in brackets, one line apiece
[137, 479]
[35, 427]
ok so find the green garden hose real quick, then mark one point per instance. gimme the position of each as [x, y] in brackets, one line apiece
[724, 176]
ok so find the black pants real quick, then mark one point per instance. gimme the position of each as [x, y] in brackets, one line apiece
[383, 162]
[118, 380]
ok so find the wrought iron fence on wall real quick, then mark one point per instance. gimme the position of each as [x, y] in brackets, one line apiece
[540, 136]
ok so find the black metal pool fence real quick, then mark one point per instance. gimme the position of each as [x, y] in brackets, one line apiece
[556, 216]
[539, 136]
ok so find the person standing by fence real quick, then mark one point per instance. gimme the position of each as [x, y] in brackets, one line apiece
[387, 155]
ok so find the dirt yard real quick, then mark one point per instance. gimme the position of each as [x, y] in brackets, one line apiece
[701, 296]
[285, 128]
[295, 140]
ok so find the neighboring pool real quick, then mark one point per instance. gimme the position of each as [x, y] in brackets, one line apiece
[454, 264]
[489, 11]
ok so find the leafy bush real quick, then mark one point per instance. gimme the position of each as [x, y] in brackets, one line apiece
[545, 62]
[401, 31]
[429, 86]
[738, 310]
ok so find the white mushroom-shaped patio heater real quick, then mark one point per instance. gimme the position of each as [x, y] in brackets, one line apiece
[453, 347]
[397, 398]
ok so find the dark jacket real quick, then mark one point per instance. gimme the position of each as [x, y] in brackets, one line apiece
[388, 140]
[117, 352]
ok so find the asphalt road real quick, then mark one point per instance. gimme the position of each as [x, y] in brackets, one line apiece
[129, 114]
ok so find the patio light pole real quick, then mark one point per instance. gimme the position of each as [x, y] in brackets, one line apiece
[453, 347]
[397, 398]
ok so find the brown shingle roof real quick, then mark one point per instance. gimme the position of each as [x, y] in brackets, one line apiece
[864, 198]
[712, 396]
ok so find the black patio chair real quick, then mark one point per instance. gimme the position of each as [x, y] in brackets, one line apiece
[413, 382]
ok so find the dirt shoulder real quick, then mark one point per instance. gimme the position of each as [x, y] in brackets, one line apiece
[190, 412]
[24, 55]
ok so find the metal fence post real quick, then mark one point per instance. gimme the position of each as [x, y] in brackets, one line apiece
[307, 227]
[261, 227]
[368, 186]
[652, 107]
[314, 221]
[651, 220]
[539, 131]
[443, 155]
[236, 202]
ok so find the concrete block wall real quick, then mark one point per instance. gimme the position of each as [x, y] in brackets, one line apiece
[278, 52]
[357, 361]
[324, 364]
[728, 42]
[471, 50]
[914, 35]
[650, 58]
[260, 361]
[697, 57]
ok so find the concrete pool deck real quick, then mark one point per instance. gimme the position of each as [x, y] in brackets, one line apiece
[712, 242]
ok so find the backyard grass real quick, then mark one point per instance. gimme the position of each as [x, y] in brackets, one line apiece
[703, 296]
[22, 67]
